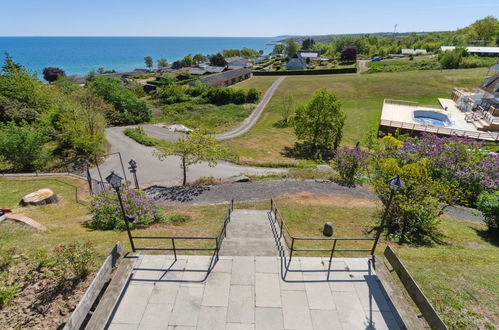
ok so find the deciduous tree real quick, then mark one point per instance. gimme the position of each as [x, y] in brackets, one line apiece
[319, 122]
[51, 74]
[149, 62]
[218, 60]
[196, 147]
[162, 62]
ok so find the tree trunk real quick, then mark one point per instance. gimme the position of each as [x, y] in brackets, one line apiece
[184, 168]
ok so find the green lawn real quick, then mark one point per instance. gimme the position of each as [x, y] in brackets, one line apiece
[362, 97]
[65, 219]
[459, 276]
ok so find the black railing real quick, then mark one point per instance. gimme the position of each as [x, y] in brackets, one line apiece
[215, 249]
[282, 235]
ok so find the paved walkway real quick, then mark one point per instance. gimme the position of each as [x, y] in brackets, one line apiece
[153, 171]
[249, 122]
[249, 293]
[249, 234]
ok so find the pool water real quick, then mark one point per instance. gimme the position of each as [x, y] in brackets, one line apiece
[431, 118]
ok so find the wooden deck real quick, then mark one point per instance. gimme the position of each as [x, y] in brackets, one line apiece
[485, 136]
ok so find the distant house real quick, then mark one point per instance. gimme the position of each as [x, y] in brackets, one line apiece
[480, 51]
[238, 61]
[227, 78]
[197, 72]
[311, 54]
[297, 63]
[409, 51]
[261, 59]
[214, 69]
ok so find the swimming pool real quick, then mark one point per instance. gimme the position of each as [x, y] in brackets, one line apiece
[433, 118]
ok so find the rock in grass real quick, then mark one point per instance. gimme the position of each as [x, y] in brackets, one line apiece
[328, 229]
[40, 197]
[240, 178]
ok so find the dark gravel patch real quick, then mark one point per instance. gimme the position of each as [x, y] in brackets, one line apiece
[251, 191]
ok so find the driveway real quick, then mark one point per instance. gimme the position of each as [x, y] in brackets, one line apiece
[153, 171]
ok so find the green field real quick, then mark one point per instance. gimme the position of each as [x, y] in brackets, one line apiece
[362, 97]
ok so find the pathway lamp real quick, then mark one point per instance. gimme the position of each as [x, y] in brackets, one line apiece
[133, 170]
[395, 184]
[115, 181]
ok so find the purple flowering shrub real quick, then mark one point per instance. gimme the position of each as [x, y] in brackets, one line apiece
[350, 162]
[106, 212]
[457, 162]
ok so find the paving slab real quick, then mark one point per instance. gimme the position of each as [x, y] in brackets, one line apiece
[247, 292]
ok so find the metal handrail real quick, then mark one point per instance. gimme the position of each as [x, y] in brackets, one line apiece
[222, 233]
[283, 231]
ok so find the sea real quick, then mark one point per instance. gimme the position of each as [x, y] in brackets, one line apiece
[79, 55]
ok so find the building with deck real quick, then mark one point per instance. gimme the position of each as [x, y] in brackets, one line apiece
[473, 114]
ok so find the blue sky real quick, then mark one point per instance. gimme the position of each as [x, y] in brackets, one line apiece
[234, 18]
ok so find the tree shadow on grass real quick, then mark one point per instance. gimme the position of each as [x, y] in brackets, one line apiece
[487, 236]
[182, 194]
[301, 151]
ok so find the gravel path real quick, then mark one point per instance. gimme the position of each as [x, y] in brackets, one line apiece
[251, 191]
[246, 125]
[265, 190]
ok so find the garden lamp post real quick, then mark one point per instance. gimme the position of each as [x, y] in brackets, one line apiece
[133, 170]
[395, 184]
[115, 181]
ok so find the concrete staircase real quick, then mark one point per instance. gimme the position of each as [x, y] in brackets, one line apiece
[249, 234]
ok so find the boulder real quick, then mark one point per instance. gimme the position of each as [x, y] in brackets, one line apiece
[40, 197]
[240, 178]
[328, 229]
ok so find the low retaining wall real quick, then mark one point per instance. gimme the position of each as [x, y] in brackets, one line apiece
[415, 291]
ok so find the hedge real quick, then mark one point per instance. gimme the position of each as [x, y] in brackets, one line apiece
[304, 72]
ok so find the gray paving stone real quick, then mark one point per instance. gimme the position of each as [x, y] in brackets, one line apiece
[371, 295]
[150, 267]
[341, 281]
[187, 306]
[268, 293]
[294, 282]
[133, 304]
[350, 310]
[122, 326]
[325, 320]
[156, 316]
[164, 292]
[173, 270]
[268, 319]
[239, 326]
[382, 320]
[267, 265]
[319, 295]
[241, 304]
[180, 327]
[296, 310]
[243, 271]
[212, 318]
[195, 271]
[223, 266]
[216, 292]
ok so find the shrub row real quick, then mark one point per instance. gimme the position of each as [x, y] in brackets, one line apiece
[305, 72]
[225, 95]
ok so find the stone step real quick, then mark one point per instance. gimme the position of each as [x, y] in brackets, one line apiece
[249, 234]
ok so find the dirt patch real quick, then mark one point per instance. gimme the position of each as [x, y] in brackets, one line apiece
[306, 198]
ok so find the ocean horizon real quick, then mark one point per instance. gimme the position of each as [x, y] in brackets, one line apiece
[79, 55]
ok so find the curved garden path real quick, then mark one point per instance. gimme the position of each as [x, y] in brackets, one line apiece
[249, 122]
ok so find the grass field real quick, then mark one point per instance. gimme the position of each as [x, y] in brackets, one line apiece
[65, 219]
[362, 97]
[459, 276]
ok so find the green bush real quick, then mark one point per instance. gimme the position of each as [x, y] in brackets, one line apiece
[178, 219]
[305, 72]
[253, 95]
[77, 257]
[488, 204]
[23, 146]
[225, 95]
[8, 289]
[107, 215]
[132, 109]
[172, 94]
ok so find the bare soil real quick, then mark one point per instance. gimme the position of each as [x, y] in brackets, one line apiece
[43, 301]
